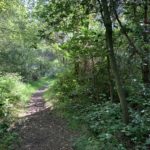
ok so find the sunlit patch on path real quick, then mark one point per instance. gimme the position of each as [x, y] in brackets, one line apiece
[41, 129]
[37, 104]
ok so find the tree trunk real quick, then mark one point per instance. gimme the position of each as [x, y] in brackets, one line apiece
[109, 43]
[145, 57]
[110, 81]
[76, 67]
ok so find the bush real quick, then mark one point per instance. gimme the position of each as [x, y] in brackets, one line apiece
[13, 93]
[103, 119]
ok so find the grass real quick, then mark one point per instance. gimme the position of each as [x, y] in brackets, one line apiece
[84, 141]
[45, 81]
[59, 106]
[30, 88]
[25, 90]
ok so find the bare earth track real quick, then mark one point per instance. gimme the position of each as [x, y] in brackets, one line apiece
[42, 129]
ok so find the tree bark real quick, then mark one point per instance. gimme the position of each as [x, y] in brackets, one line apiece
[145, 54]
[110, 81]
[76, 67]
[145, 60]
[123, 30]
[109, 43]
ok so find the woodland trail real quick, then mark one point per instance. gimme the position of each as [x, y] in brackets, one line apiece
[42, 129]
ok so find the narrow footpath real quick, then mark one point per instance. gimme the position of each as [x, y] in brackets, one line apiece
[42, 129]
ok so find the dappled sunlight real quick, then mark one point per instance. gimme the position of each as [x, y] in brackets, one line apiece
[36, 98]
[37, 104]
[41, 91]
[40, 128]
[86, 61]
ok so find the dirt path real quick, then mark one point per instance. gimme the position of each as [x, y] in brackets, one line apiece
[42, 129]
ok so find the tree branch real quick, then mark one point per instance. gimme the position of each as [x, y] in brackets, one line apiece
[136, 51]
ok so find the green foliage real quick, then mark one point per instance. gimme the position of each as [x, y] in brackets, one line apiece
[101, 122]
[83, 93]
[105, 122]
[20, 50]
[14, 94]
[7, 139]
[74, 33]
[86, 143]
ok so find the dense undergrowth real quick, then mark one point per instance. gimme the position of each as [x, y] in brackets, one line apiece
[105, 46]
[14, 95]
[100, 122]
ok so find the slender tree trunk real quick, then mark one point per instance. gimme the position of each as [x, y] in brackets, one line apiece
[109, 42]
[76, 67]
[85, 66]
[110, 81]
[145, 57]
[93, 69]
[123, 30]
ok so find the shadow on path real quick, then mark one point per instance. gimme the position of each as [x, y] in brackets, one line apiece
[41, 129]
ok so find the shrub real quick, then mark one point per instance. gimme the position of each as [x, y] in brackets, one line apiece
[13, 93]
[102, 119]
